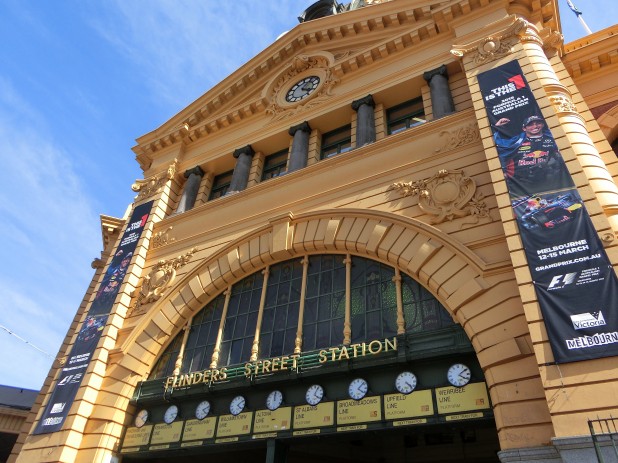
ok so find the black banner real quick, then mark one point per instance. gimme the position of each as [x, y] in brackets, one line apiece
[72, 373]
[574, 281]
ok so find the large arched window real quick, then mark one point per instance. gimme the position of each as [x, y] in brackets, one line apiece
[303, 304]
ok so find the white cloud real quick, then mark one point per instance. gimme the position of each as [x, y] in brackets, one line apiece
[49, 234]
[185, 47]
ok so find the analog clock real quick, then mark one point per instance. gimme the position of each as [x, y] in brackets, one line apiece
[237, 405]
[274, 400]
[459, 375]
[358, 388]
[141, 418]
[202, 410]
[405, 382]
[302, 89]
[170, 414]
[314, 394]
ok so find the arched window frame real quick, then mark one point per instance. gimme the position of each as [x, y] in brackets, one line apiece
[400, 282]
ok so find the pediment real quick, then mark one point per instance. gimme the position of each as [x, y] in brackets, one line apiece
[330, 47]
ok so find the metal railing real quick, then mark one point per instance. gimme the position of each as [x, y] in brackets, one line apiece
[604, 431]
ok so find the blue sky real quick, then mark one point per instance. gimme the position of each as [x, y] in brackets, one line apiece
[80, 80]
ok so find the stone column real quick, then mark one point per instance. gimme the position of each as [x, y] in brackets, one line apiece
[240, 177]
[192, 186]
[365, 121]
[300, 146]
[441, 99]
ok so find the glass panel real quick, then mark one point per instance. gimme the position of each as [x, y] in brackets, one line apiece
[283, 302]
[422, 311]
[324, 301]
[275, 165]
[220, 185]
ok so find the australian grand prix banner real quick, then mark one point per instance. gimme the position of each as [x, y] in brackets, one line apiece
[575, 284]
[72, 373]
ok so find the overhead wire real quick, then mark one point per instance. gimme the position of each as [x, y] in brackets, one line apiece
[12, 333]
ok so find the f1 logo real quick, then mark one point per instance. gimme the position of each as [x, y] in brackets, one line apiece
[562, 280]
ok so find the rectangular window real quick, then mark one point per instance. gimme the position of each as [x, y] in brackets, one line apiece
[275, 165]
[405, 115]
[336, 142]
[220, 185]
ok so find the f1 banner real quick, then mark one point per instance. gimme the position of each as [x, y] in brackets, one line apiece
[575, 284]
[72, 373]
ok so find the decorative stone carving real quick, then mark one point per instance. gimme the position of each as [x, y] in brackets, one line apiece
[448, 195]
[152, 185]
[552, 40]
[162, 238]
[560, 98]
[459, 137]
[160, 278]
[301, 66]
[563, 104]
[495, 46]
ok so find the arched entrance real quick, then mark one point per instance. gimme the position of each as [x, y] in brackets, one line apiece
[452, 275]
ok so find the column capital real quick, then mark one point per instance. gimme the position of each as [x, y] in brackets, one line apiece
[244, 150]
[303, 126]
[197, 170]
[367, 100]
[439, 71]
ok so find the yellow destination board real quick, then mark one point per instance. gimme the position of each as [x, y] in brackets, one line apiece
[269, 421]
[359, 411]
[462, 399]
[314, 416]
[230, 425]
[166, 433]
[136, 437]
[400, 406]
[196, 429]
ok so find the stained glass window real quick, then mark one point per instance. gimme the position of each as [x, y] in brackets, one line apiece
[373, 300]
[324, 302]
[240, 322]
[280, 318]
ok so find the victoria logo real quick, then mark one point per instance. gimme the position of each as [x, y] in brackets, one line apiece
[587, 320]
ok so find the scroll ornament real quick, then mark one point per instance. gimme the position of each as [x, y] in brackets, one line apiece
[152, 185]
[160, 278]
[448, 195]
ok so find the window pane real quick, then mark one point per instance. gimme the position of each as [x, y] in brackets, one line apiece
[336, 142]
[283, 302]
[406, 115]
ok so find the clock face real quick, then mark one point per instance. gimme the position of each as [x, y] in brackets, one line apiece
[170, 414]
[274, 400]
[141, 418]
[237, 405]
[459, 375]
[202, 410]
[358, 388]
[302, 89]
[314, 394]
[405, 382]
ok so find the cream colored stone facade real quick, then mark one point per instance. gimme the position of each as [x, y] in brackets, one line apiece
[468, 254]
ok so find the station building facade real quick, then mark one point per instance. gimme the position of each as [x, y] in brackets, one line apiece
[323, 261]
